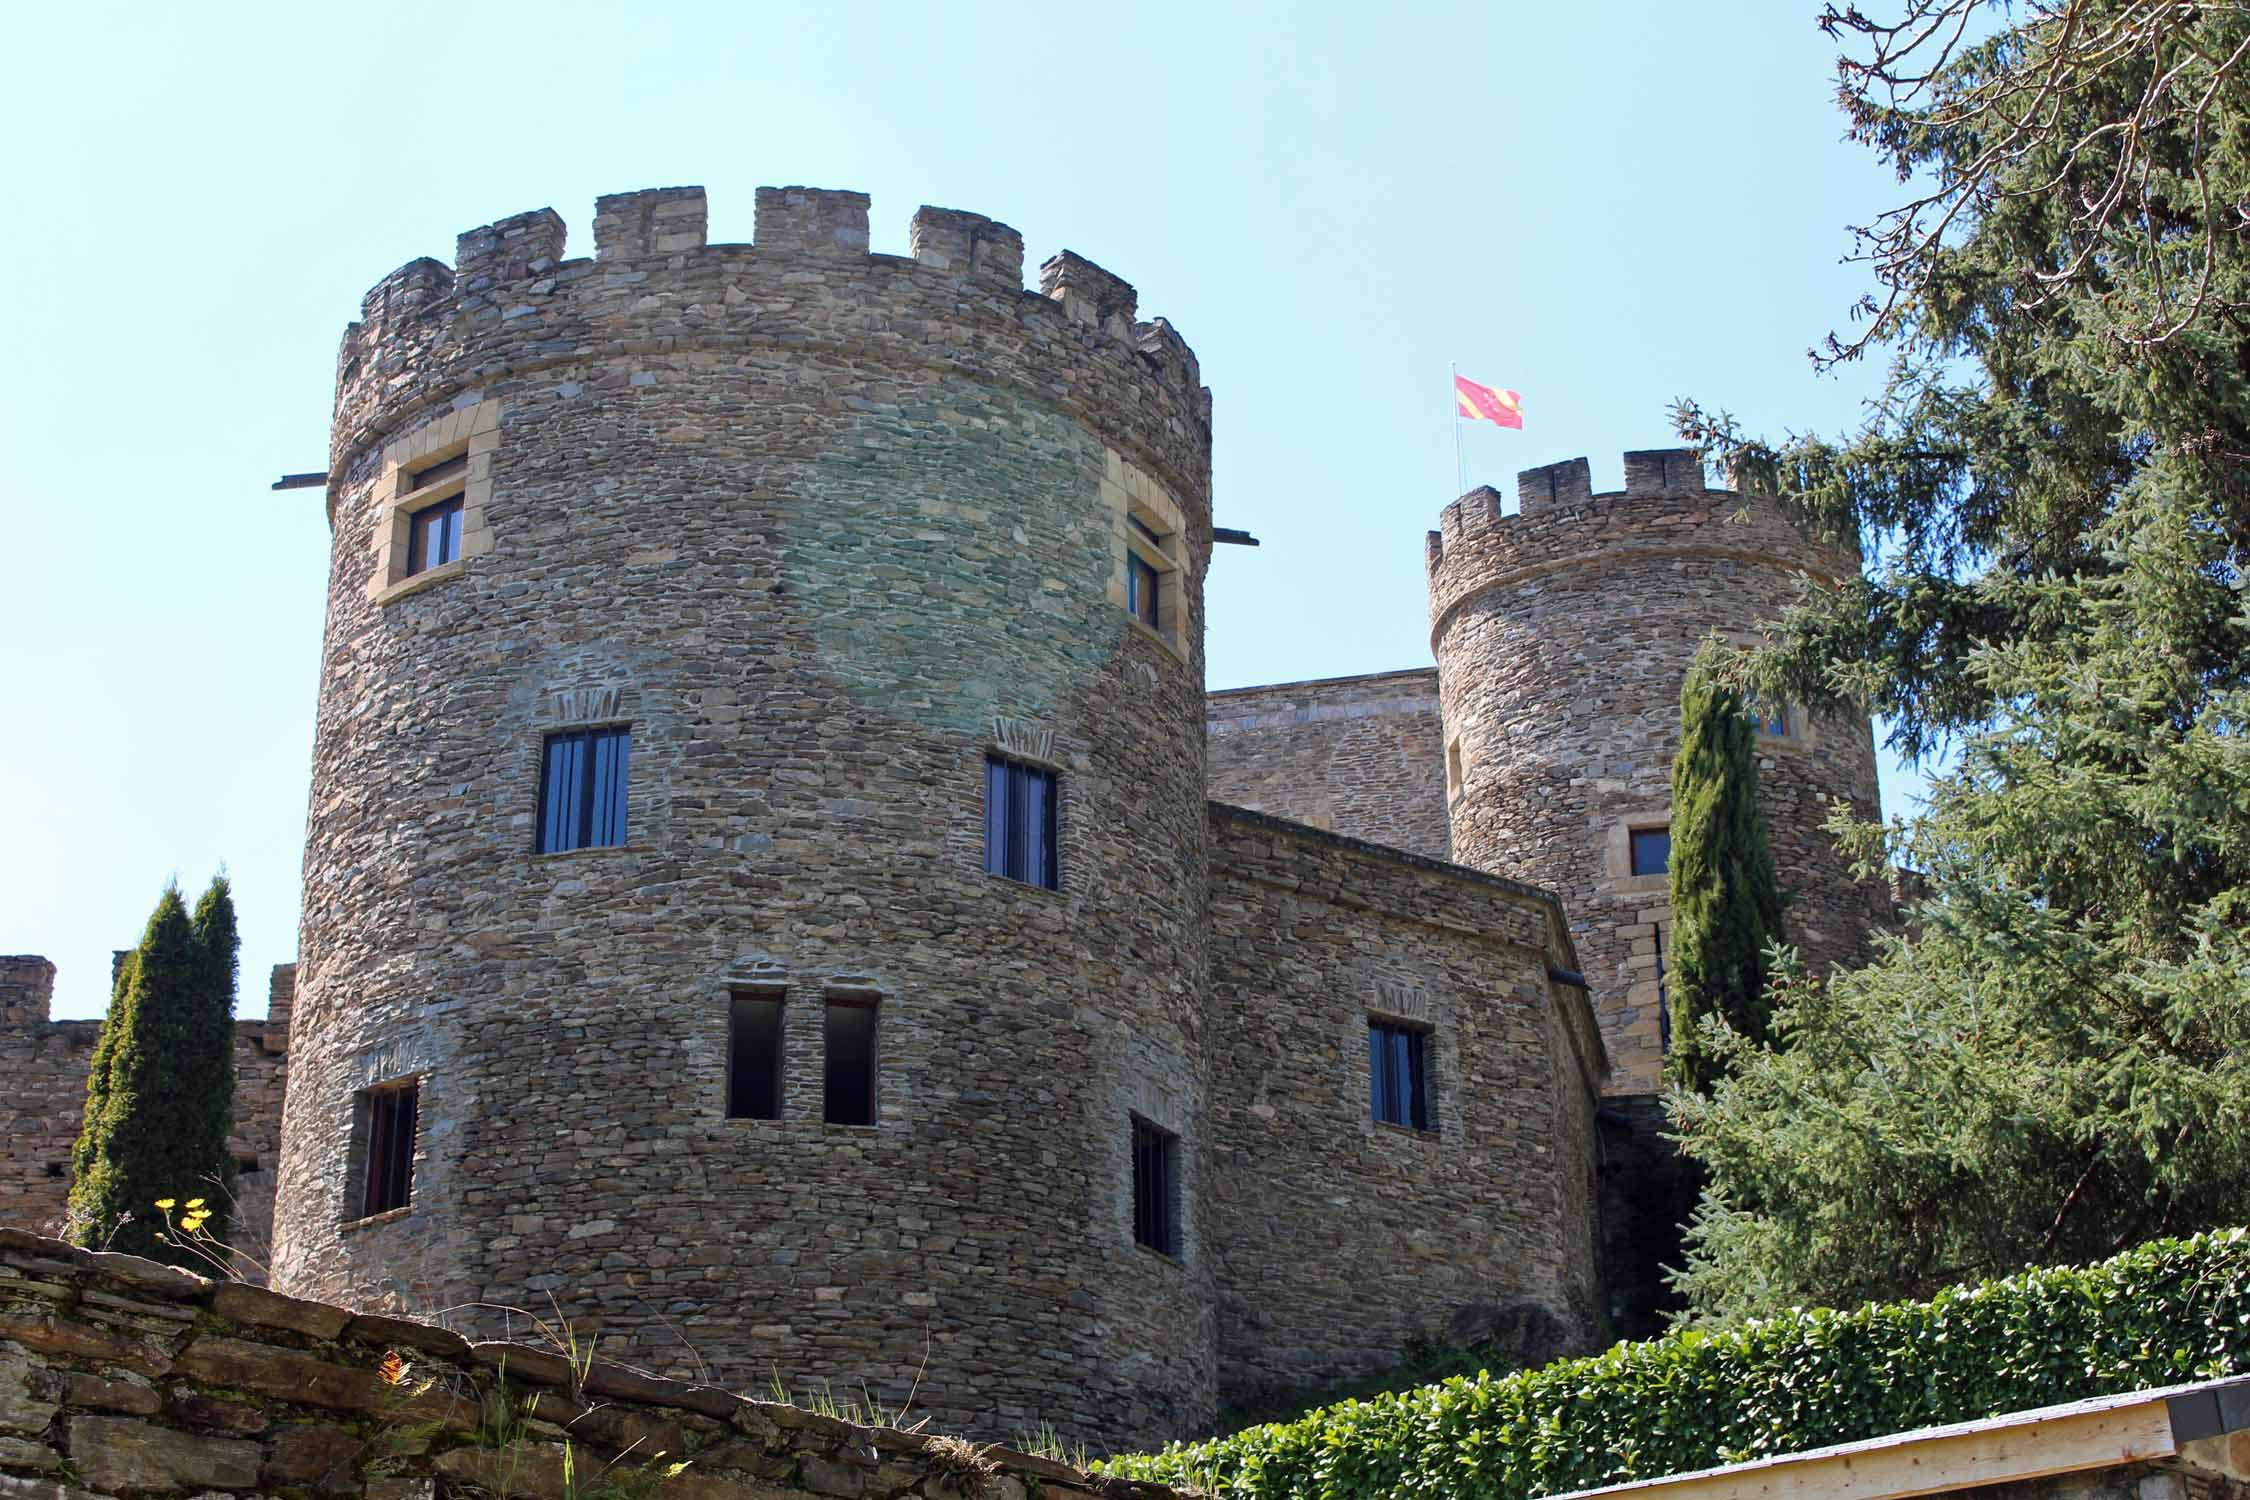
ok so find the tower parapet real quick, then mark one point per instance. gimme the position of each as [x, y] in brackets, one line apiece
[512, 304]
[813, 546]
[1563, 633]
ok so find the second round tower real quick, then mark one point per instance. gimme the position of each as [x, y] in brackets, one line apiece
[1563, 634]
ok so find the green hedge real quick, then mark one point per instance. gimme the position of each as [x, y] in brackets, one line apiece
[2168, 1312]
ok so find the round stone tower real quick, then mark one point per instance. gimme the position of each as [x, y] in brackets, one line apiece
[704, 623]
[1563, 634]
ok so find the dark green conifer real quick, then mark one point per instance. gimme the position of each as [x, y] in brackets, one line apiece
[1725, 896]
[160, 1096]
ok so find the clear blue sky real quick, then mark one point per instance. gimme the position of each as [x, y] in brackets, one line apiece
[1603, 206]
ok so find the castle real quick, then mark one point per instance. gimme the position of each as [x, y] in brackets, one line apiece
[776, 884]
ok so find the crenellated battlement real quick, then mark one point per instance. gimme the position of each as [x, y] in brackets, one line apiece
[1665, 510]
[512, 301]
[27, 989]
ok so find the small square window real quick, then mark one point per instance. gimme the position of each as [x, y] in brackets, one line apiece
[1144, 589]
[582, 781]
[388, 1115]
[1156, 1182]
[1019, 822]
[754, 1057]
[1397, 1065]
[1770, 719]
[849, 1094]
[1652, 851]
[433, 536]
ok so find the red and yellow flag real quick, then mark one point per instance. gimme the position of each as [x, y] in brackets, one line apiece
[1483, 403]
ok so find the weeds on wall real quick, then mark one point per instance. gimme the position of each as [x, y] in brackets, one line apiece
[2169, 1312]
[513, 1438]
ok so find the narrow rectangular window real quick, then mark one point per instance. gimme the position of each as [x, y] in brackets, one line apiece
[1019, 823]
[850, 1092]
[582, 780]
[433, 536]
[1771, 719]
[1155, 1188]
[1398, 1067]
[754, 1057]
[1144, 587]
[1652, 851]
[1663, 999]
[388, 1170]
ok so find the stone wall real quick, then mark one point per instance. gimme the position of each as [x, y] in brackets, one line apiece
[1363, 756]
[119, 1377]
[824, 530]
[1562, 634]
[1340, 1239]
[43, 1067]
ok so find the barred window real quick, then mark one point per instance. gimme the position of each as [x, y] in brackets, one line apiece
[1156, 1185]
[387, 1115]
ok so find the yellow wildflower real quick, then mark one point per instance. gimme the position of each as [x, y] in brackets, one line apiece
[166, 1203]
[195, 1203]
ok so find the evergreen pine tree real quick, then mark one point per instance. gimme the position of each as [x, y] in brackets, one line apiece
[1726, 900]
[160, 1100]
[2053, 1061]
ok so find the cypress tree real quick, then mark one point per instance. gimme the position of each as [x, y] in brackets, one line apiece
[1726, 898]
[160, 1097]
[211, 1102]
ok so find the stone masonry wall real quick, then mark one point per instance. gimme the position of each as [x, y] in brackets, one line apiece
[43, 1067]
[121, 1378]
[1363, 756]
[1562, 636]
[824, 530]
[1340, 1239]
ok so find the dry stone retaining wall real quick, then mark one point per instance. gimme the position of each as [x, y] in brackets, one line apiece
[43, 1065]
[122, 1379]
[1363, 756]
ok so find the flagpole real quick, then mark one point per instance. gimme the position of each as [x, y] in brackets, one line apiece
[1460, 473]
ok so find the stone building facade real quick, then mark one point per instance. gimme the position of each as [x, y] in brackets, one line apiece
[707, 625]
[1563, 632]
[1363, 756]
[43, 1066]
[1540, 747]
[826, 536]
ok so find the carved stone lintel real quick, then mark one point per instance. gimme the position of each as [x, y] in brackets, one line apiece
[586, 705]
[1406, 1001]
[1031, 741]
[1155, 1104]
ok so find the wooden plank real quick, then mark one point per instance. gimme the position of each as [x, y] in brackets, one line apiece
[2061, 1440]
